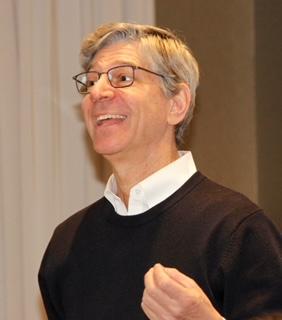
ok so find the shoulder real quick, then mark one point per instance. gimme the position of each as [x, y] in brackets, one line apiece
[217, 194]
[71, 224]
[222, 211]
[235, 220]
[66, 232]
[217, 201]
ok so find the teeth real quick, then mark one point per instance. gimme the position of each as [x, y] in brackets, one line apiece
[110, 116]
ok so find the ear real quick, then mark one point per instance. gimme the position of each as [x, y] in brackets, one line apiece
[179, 104]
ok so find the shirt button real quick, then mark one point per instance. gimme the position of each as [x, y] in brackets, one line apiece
[138, 194]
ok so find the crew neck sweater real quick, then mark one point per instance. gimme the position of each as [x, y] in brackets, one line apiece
[95, 263]
[153, 189]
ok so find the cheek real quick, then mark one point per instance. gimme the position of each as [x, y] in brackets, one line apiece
[152, 123]
[158, 110]
[87, 110]
[85, 106]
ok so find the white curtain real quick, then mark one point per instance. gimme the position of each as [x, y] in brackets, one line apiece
[47, 169]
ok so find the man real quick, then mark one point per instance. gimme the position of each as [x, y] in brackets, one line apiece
[164, 242]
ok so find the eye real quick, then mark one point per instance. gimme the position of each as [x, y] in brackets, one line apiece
[85, 81]
[121, 76]
[125, 77]
[89, 83]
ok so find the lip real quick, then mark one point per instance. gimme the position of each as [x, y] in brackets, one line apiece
[109, 119]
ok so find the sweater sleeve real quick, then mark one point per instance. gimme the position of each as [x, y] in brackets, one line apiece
[252, 269]
[51, 275]
[47, 283]
[48, 302]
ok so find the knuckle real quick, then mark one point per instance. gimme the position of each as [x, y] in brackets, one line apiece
[163, 284]
[149, 292]
[195, 300]
[147, 276]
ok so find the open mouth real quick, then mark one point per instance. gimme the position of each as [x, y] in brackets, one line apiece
[107, 117]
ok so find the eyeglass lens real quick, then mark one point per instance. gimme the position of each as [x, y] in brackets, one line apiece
[119, 77]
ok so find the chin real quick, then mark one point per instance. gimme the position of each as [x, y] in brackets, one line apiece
[107, 151]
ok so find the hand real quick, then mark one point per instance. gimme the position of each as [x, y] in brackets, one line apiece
[171, 295]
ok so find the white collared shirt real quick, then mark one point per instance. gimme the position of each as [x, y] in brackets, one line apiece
[155, 188]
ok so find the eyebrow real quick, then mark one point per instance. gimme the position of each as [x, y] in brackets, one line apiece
[115, 64]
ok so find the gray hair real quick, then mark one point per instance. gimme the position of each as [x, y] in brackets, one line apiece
[165, 51]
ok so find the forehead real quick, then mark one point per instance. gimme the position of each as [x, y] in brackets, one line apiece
[118, 53]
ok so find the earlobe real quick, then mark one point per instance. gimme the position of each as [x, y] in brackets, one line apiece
[180, 104]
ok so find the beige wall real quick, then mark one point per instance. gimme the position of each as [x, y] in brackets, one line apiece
[45, 168]
[235, 132]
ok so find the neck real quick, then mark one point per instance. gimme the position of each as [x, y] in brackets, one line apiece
[130, 172]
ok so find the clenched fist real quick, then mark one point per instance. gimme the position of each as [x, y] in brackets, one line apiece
[171, 295]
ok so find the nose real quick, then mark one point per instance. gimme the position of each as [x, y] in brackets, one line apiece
[102, 90]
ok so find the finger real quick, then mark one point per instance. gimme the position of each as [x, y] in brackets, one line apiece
[153, 307]
[149, 312]
[180, 277]
[182, 290]
[153, 295]
[194, 293]
[166, 284]
[185, 296]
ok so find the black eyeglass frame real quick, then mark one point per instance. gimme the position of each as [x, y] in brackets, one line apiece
[108, 76]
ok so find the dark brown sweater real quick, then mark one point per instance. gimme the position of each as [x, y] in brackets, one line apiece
[94, 265]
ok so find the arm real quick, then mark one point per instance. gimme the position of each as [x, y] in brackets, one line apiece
[250, 277]
[49, 306]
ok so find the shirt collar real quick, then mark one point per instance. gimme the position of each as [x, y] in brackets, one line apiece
[155, 188]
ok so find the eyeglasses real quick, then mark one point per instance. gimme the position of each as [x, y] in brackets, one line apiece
[119, 77]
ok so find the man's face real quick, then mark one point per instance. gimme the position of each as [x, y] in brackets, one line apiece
[136, 117]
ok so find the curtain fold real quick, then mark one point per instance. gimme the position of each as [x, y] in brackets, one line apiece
[47, 168]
